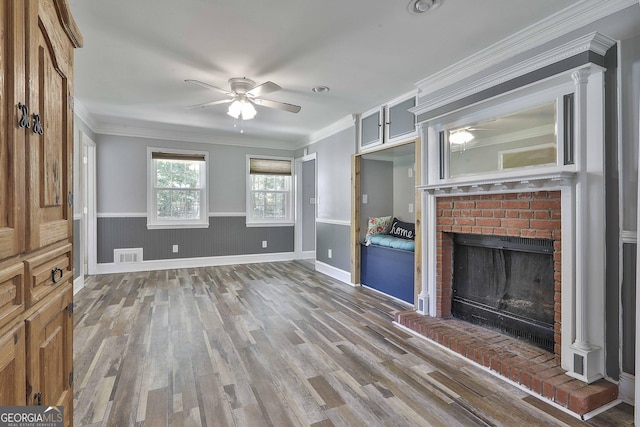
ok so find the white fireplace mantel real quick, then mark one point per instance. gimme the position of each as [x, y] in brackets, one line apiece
[529, 182]
[581, 183]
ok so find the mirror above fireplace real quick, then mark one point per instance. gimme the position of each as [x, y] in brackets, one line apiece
[526, 138]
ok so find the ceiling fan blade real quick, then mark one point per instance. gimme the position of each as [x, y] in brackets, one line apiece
[208, 86]
[208, 104]
[264, 88]
[277, 105]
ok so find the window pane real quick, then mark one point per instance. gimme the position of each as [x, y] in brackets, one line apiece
[269, 196]
[178, 204]
[179, 173]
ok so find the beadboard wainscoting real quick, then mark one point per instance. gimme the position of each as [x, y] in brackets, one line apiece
[226, 240]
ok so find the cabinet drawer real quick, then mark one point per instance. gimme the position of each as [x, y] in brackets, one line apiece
[11, 292]
[48, 271]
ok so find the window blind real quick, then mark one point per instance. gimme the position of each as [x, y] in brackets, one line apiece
[177, 156]
[269, 167]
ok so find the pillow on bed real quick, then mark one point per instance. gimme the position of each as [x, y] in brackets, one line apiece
[378, 226]
[404, 230]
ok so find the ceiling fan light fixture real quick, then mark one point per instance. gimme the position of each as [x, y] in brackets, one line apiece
[248, 111]
[422, 6]
[242, 109]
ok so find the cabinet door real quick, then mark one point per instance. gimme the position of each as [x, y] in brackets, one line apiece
[50, 353]
[12, 137]
[371, 133]
[12, 289]
[50, 144]
[12, 366]
[401, 123]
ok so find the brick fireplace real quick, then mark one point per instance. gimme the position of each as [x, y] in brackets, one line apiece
[525, 215]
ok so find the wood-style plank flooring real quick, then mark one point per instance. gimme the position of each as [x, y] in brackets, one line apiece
[274, 344]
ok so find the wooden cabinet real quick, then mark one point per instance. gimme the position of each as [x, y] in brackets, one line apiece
[12, 366]
[37, 39]
[49, 337]
[388, 124]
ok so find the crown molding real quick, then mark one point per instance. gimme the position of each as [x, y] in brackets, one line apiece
[332, 129]
[168, 133]
[84, 115]
[569, 19]
[594, 42]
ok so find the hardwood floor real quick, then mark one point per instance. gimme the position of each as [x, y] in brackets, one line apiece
[274, 344]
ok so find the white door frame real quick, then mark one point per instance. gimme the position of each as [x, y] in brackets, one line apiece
[89, 214]
[299, 253]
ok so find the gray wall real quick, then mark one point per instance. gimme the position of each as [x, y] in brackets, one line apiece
[308, 182]
[122, 190]
[226, 236]
[376, 181]
[333, 162]
[404, 188]
[337, 238]
[122, 173]
[334, 174]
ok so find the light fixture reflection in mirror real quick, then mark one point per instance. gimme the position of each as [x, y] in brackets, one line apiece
[460, 137]
[522, 139]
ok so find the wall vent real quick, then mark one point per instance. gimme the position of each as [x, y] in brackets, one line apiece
[127, 256]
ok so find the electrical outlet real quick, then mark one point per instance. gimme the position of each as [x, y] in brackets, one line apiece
[365, 198]
[175, 249]
[410, 207]
[264, 243]
[329, 253]
[410, 172]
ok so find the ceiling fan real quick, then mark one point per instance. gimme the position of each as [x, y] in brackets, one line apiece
[244, 94]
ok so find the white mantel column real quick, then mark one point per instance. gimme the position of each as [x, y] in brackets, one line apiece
[586, 358]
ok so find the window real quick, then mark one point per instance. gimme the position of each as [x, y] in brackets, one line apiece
[177, 190]
[269, 191]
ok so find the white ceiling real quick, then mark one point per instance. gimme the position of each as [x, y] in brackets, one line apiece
[137, 54]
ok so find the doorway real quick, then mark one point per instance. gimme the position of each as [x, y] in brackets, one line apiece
[306, 195]
[88, 188]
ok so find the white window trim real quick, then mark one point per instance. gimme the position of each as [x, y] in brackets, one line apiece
[152, 222]
[251, 222]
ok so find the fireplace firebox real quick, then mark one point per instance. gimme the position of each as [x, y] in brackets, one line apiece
[505, 283]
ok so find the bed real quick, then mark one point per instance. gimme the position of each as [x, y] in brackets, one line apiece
[387, 261]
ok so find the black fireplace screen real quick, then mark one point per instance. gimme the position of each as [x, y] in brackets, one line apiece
[507, 283]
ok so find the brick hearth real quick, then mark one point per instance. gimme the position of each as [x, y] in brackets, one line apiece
[522, 363]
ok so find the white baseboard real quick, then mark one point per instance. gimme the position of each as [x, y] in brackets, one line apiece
[78, 284]
[626, 388]
[168, 264]
[306, 255]
[336, 273]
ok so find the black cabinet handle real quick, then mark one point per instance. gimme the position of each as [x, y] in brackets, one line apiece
[38, 399]
[23, 122]
[56, 274]
[37, 124]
